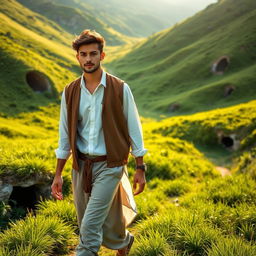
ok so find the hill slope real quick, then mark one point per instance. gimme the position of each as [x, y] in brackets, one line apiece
[74, 20]
[34, 52]
[170, 72]
[133, 18]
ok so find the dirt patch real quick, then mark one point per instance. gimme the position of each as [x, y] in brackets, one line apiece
[223, 171]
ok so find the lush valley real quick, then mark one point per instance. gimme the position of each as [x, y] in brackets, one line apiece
[200, 196]
[171, 71]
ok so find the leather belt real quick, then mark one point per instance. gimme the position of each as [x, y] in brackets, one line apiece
[89, 161]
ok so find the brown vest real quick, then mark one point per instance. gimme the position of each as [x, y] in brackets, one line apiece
[114, 123]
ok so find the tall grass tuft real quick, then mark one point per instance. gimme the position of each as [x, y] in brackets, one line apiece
[194, 239]
[154, 244]
[63, 209]
[232, 190]
[46, 235]
[232, 247]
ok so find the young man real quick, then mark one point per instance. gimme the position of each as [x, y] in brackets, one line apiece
[98, 124]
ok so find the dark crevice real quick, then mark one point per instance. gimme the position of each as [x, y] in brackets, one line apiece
[37, 81]
[24, 197]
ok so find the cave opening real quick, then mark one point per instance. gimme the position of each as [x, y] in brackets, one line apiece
[24, 197]
[38, 81]
[227, 141]
[229, 90]
[221, 65]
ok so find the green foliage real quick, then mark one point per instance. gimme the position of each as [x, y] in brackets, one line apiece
[231, 190]
[246, 163]
[176, 188]
[232, 247]
[41, 234]
[170, 158]
[5, 210]
[63, 209]
[174, 66]
[204, 127]
[154, 244]
[22, 159]
[22, 250]
[149, 203]
[185, 231]
[81, 18]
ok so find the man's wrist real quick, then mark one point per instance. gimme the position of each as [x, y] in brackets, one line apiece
[139, 160]
[142, 167]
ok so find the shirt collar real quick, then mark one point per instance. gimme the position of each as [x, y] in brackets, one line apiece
[102, 81]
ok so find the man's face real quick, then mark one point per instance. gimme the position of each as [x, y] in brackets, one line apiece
[89, 57]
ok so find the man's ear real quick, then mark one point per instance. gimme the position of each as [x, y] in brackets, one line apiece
[77, 56]
[102, 56]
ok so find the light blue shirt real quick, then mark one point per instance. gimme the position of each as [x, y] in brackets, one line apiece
[90, 137]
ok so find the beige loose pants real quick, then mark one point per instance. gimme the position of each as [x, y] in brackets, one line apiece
[100, 216]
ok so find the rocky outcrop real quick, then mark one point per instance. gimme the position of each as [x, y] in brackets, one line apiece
[40, 186]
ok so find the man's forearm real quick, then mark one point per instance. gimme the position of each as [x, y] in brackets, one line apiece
[60, 166]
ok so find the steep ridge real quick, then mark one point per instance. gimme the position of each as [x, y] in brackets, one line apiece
[137, 18]
[74, 20]
[36, 60]
[170, 72]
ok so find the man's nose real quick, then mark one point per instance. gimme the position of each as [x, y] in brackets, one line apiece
[88, 58]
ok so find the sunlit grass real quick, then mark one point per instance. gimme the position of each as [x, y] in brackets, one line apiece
[45, 235]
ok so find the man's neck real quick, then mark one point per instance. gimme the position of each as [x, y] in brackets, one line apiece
[94, 78]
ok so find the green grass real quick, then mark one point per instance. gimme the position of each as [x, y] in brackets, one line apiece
[173, 66]
[187, 208]
[74, 20]
[232, 247]
[64, 209]
[41, 234]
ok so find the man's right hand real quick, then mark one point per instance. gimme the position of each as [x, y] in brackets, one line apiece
[57, 187]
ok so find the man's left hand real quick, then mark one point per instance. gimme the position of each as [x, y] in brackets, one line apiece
[139, 178]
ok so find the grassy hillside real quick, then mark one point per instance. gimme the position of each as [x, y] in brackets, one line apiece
[30, 42]
[133, 18]
[206, 131]
[187, 207]
[170, 72]
[74, 20]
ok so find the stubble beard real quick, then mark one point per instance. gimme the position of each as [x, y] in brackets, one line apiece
[91, 70]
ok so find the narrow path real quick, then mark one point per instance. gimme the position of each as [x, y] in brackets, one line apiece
[223, 171]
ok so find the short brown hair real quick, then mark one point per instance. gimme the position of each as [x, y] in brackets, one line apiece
[88, 37]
